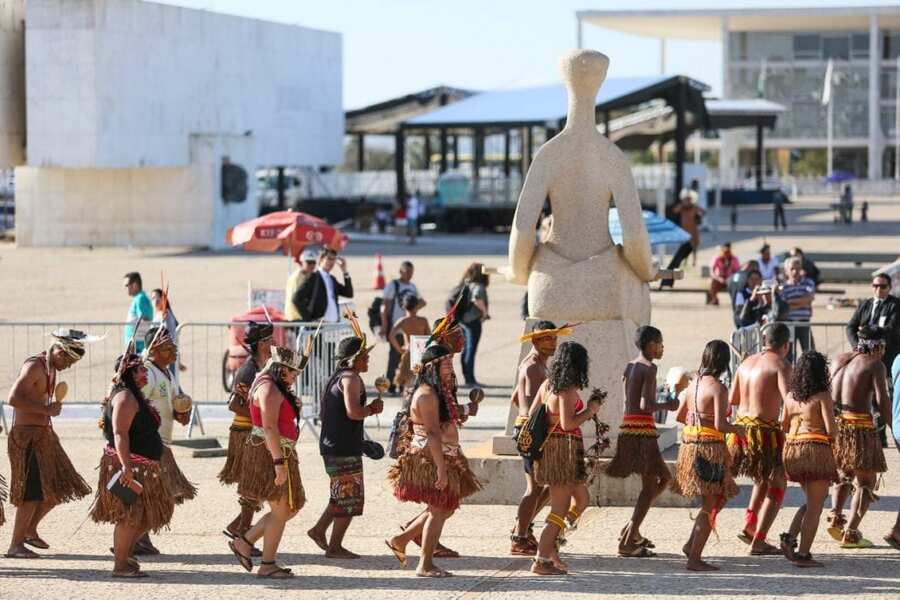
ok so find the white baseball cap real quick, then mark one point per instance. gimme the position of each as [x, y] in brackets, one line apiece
[309, 255]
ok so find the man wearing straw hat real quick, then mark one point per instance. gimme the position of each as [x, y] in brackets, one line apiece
[42, 474]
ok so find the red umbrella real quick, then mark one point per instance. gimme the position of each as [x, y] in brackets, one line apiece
[286, 229]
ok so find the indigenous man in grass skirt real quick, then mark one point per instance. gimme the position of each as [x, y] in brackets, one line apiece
[343, 409]
[637, 449]
[433, 470]
[160, 390]
[856, 377]
[42, 474]
[703, 468]
[132, 454]
[531, 374]
[758, 390]
[257, 340]
[447, 333]
[270, 468]
[808, 421]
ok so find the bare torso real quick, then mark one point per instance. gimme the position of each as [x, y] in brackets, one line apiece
[639, 380]
[855, 378]
[532, 373]
[706, 392]
[757, 381]
[809, 416]
[31, 393]
[449, 430]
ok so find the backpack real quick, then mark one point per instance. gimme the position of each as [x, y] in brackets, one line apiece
[374, 314]
[531, 437]
[463, 295]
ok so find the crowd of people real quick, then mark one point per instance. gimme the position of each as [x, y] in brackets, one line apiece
[812, 422]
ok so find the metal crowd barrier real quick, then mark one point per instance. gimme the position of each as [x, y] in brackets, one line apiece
[828, 338]
[203, 350]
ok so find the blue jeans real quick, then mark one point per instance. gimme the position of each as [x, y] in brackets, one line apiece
[472, 332]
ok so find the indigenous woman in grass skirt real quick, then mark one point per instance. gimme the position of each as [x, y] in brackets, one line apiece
[704, 465]
[561, 465]
[808, 458]
[433, 469]
[257, 341]
[133, 451]
[270, 467]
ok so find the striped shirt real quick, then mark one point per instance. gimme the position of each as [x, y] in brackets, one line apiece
[793, 291]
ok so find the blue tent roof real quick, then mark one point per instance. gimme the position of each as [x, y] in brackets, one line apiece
[662, 231]
[544, 104]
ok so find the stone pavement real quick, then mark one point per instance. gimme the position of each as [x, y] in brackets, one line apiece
[197, 564]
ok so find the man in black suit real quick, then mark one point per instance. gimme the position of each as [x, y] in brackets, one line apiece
[881, 310]
[317, 297]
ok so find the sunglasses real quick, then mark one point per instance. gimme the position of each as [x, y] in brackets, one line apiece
[880, 286]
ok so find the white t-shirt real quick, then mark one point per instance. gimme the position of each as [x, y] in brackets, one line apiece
[412, 208]
[767, 269]
[402, 290]
[332, 314]
[160, 392]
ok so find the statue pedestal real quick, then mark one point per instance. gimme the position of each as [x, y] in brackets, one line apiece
[610, 345]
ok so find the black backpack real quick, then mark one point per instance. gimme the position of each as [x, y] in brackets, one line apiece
[533, 434]
[374, 314]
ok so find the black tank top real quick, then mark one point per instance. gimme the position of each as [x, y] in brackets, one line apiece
[341, 435]
[143, 435]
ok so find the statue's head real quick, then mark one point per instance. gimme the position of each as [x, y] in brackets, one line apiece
[584, 71]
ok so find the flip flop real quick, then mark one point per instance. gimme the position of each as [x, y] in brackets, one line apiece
[228, 534]
[245, 561]
[28, 554]
[37, 543]
[277, 573]
[768, 551]
[445, 552]
[892, 542]
[398, 554]
[639, 552]
[436, 573]
[130, 574]
[860, 545]
[836, 533]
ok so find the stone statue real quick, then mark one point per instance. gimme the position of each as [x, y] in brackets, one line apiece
[575, 272]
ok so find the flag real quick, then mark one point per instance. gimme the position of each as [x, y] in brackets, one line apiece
[761, 80]
[826, 89]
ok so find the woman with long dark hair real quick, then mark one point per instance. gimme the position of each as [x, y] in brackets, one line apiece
[561, 465]
[808, 422]
[270, 470]
[475, 283]
[133, 451]
[704, 466]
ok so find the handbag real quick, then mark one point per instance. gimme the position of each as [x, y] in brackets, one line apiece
[532, 435]
[373, 449]
[398, 439]
[706, 470]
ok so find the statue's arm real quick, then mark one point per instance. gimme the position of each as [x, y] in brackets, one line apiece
[524, 226]
[635, 241]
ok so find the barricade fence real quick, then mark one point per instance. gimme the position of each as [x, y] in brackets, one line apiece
[828, 338]
[205, 349]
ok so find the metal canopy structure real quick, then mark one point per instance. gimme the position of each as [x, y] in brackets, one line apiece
[502, 111]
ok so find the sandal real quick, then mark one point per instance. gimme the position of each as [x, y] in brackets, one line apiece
[442, 551]
[788, 546]
[853, 540]
[638, 552]
[399, 554]
[767, 550]
[436, 572]
[37, 542]
[806, 561]
[24, 553]
[892, 541]
[130, 574]
[245, 561]
[276, 573]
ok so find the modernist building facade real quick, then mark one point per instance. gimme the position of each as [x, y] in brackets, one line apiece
[782, 54]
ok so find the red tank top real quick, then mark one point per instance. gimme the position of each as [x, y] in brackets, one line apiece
[287, 423]
[579, 406]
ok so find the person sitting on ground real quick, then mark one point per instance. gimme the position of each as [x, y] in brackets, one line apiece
[808, 458]
[407, 326]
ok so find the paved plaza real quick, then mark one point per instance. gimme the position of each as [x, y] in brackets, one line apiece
[86, 285]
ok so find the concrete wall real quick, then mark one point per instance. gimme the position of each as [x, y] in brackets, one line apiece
[124, 83]
[12, 84]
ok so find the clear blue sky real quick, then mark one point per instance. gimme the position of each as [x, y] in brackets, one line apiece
[393, 47]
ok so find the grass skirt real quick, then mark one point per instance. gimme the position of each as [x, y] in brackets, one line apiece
[638, 455]
[257, 480]
[414, 474]
[757, 452]
[179, 486]
[562, 461]
[3, 492]
[150, 512]
[60, 482]
[404, 374]
[809, 460]
[237, 441]
[858, 449]
[689, 484]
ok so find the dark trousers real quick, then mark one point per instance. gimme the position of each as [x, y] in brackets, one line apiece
[472, 332]
[802, 336]
[393, 363]
[779, 217]
[684, 250]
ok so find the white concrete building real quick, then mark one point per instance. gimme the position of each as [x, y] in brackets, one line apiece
[134, 107]
[781, 54]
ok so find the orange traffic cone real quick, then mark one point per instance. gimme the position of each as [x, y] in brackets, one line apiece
[378, 283]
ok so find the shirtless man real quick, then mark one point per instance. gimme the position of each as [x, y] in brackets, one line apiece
[637, 449]
[758, 390]
[532, 373]
[407, 326]
[856, 376]
[42, 474]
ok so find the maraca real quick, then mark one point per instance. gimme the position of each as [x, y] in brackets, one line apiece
[476, 395]
[60, 391]
[182, 403]
[382, 384]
